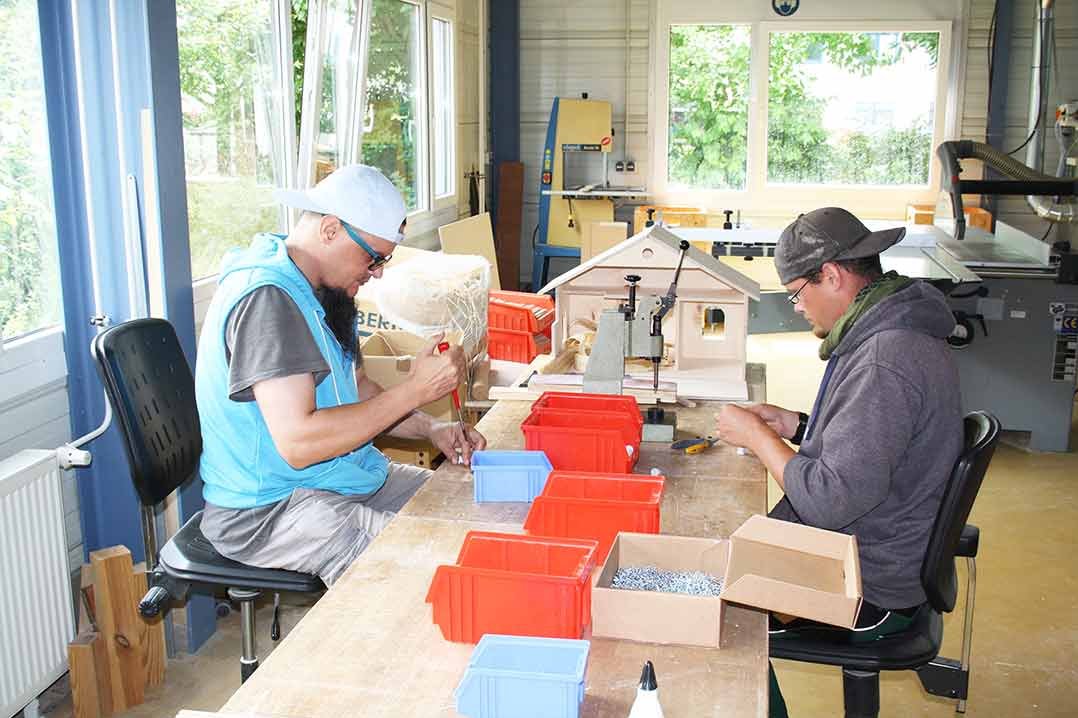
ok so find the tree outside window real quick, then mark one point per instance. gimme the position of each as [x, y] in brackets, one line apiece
[844, 108]
[29, 268]
[228, 118]
[392, 129]
[852, 108]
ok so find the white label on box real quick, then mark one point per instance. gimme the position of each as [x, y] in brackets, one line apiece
[1018, 314]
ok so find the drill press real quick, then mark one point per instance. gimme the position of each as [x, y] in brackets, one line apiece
[632, 331]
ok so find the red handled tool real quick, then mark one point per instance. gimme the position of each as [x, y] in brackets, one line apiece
[442, 347]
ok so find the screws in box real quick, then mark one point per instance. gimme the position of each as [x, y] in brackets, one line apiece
[651, 578]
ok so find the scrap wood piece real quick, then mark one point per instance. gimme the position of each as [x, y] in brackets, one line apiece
[91, 693]
[122, 629]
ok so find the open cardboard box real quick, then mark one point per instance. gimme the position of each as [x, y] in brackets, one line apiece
[388, 357]
[794, 569]
[659, 617]
[767, 563]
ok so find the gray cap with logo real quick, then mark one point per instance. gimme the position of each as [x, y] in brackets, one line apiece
[827, 235]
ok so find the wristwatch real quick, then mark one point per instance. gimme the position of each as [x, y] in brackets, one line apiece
[802, 424]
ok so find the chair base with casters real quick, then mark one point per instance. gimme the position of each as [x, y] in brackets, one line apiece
[189, 559]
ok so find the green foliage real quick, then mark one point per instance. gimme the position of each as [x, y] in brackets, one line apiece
[390, 145]
[29, 277]
[391, 88]
[299, 53]
[223, 214]
[709, 76]
[709, 108]
[217, 56]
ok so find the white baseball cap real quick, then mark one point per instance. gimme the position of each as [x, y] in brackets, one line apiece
[358, 194]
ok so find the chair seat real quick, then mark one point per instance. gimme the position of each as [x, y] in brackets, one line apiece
[968, 541]
[911, 648]
[190, 556]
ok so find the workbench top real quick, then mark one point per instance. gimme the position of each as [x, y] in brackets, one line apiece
[369, 647]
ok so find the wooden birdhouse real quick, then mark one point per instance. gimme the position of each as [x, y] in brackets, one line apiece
[706, 330]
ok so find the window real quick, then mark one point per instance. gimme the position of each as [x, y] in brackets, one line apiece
[774, 117]
[394, 129]
[709, 106]
[29, 267]
[401, 117]
[444, 124]
[233, 124]
[854, 108]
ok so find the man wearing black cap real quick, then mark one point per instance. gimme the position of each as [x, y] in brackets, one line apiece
[886, 427]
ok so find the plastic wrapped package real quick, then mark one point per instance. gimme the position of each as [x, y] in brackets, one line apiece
[437, 293]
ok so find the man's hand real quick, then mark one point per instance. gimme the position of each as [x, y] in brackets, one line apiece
[435, 375]
[782, 421]
[458, 449]
[741, 427]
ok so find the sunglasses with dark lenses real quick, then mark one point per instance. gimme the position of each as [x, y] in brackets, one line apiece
[377, 260]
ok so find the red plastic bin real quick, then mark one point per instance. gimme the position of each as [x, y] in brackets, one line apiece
[520, 312]
[515, 585]
[516, 346]
[596, 506]
[607, 441]
[579, 401]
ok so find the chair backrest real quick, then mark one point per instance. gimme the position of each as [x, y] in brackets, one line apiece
[938, 572]
[152, 393]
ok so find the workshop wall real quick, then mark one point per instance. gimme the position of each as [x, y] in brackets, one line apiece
[569, 47]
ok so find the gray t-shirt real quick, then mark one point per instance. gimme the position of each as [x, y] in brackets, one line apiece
[266, 337]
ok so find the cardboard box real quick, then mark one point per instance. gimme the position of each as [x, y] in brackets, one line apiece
[416, 452]
[659, 617]
[794, 569]
[767, 564]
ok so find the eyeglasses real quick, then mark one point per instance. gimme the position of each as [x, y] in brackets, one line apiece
[377, 260]
[795, 297]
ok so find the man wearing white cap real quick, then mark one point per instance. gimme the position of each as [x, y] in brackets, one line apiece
[291, 479]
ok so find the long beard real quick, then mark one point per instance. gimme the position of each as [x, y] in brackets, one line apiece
[341, 317]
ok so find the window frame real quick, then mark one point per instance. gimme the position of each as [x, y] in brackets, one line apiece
[761, 198]
[448, 16]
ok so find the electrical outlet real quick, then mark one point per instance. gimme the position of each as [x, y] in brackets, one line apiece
[630, 166]
[619, 166]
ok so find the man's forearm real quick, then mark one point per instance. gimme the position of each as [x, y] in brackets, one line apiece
[416, 425]
[335, 431]
[775, 454]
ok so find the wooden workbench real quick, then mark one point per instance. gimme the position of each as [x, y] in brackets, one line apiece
[369, 647]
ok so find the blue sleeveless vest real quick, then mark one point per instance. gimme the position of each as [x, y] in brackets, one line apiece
[240, 466]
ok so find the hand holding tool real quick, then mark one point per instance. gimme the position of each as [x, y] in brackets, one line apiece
[442, 347]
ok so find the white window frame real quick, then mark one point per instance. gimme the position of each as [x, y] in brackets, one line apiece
[760, 198]
[447, 15]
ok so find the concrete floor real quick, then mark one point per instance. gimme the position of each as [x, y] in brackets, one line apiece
[1027, 593]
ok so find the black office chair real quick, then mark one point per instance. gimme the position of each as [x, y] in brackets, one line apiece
[152, 393]
[917, 647]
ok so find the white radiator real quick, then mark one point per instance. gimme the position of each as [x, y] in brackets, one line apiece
[36, 611]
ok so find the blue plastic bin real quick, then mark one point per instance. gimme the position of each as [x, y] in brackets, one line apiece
[524, 677]
[509, 475]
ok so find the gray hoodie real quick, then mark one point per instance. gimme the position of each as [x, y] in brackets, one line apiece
[882, 440]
